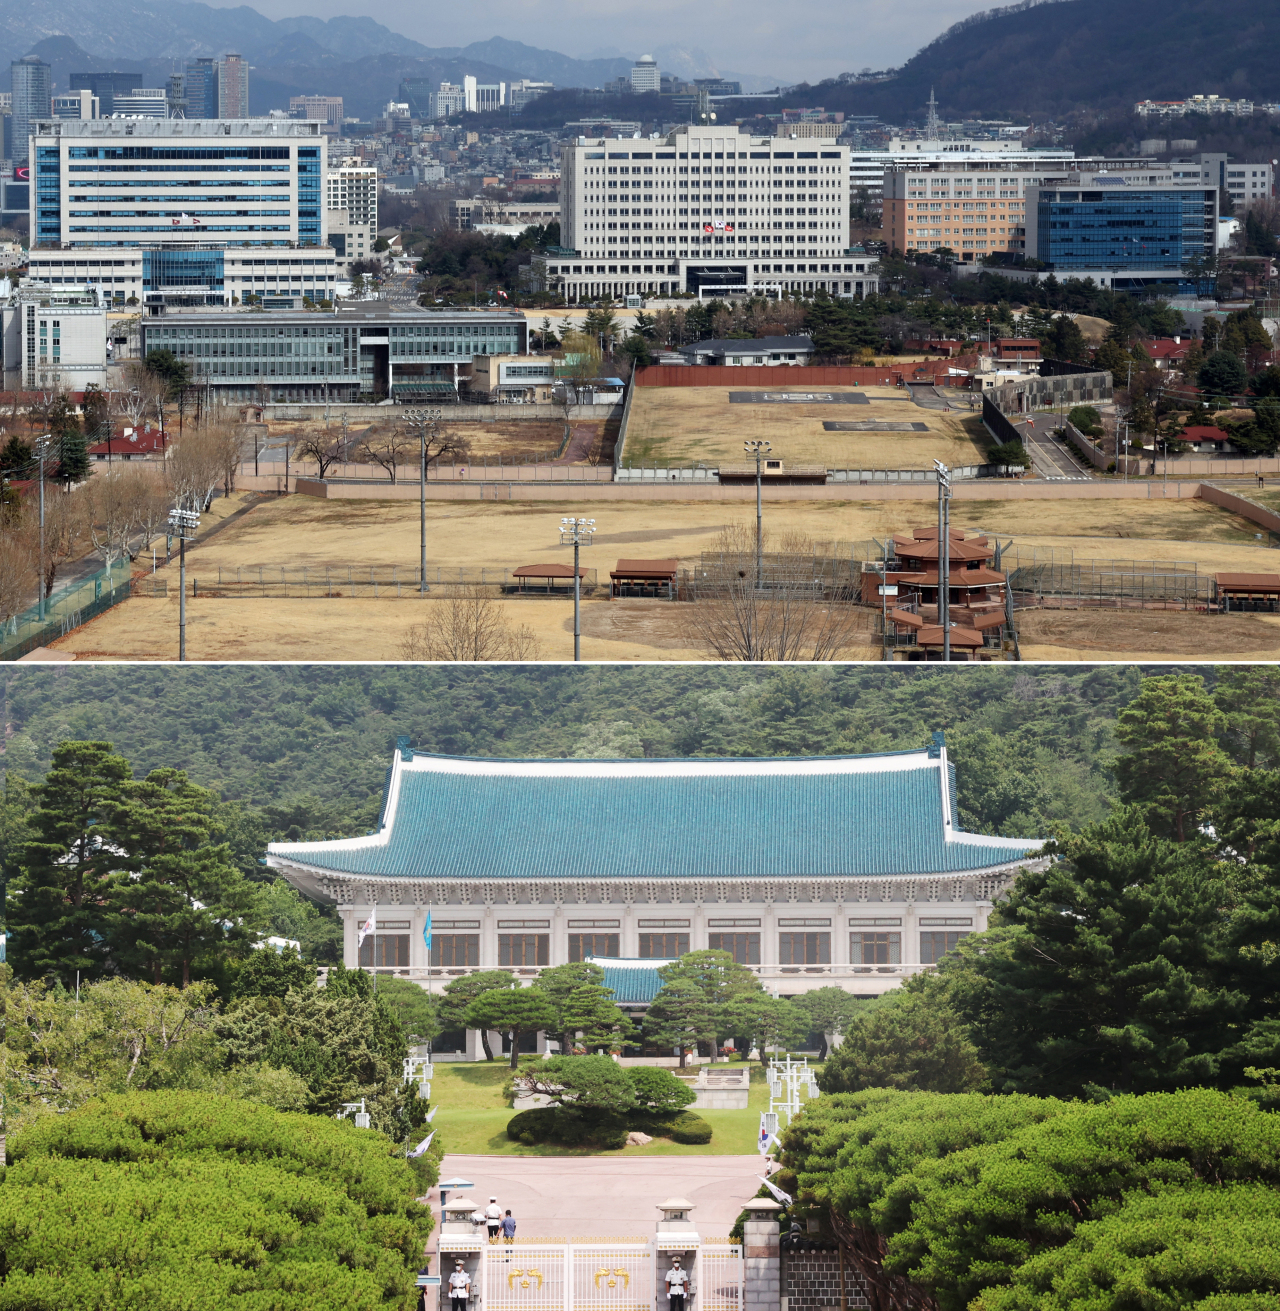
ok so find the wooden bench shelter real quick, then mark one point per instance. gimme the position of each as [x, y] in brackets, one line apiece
[1248, 592]
[653, 578]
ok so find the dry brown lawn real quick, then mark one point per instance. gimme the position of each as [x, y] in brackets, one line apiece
[682, 426]
[1146, 635]
[300, 530]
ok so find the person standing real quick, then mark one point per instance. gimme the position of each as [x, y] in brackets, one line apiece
[508, 1228]
[459, 1287]
[677, 1285]
[493, 1219]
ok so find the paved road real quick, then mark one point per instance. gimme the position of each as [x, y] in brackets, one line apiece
[401, 291]
[606, 1196]
[1052, 459]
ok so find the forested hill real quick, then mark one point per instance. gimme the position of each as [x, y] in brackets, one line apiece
[1053, 57]
[307, 748]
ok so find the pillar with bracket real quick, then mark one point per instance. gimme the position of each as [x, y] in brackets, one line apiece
[676, 1236]
[762, 1266]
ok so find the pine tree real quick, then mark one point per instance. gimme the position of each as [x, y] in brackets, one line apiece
[181, 897]
[680, 1016]
[55, 913]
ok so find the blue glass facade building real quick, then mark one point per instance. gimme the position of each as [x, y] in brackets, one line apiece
[1097, 223]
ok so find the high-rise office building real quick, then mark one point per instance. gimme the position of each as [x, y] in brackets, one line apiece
[32, 96]
[645, 75]
[253, 181]
[233, 87]
[201, 88]
[106, 86]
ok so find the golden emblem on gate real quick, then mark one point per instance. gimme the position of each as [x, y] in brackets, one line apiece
[611, 1277]
[526, 1278]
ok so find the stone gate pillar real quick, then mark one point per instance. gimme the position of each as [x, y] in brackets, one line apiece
[762, 1267]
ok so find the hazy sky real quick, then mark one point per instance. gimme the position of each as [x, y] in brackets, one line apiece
[796, 40]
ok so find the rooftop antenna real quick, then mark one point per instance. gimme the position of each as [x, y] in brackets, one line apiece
[932, 124]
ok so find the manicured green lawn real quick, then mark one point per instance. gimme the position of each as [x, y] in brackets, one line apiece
[473, 1119]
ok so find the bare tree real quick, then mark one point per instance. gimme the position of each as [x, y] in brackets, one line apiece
[119, 503]
[66, 529]
[325, 446]
[19, 570]
[787, 617]
[467, 624]
[203, 457]
[394, 447]
[140, 395]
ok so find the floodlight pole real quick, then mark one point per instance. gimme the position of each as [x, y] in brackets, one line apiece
[422, 420]
[576, 531]
[42, 448]
[759, 449]
[182, 598]
[944, 556]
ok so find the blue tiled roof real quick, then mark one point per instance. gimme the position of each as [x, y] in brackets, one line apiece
[566, 819]
[637, 982]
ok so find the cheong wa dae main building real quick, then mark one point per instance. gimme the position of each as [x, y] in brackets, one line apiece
[812, 871]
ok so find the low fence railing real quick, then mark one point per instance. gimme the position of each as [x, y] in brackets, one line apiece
[369, 582]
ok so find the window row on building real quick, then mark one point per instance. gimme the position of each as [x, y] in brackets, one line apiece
[795, 946]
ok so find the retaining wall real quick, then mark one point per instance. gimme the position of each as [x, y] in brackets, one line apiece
[1035, 393]
[1241, 505]
[1096, 456]
[452, 412]
[811, 1282]
[994, 489]
[779, 377]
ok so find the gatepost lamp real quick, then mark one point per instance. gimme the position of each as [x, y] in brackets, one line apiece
[184, 524]
[576, 531]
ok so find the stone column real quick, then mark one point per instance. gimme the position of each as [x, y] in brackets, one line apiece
[762, 1273]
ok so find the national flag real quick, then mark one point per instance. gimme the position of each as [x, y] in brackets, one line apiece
[423, 1145]
[779, 1195]
[365, 929]
[426, 933]
[431, 1114]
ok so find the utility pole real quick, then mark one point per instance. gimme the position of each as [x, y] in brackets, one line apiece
[42, 451]
[944, 555]
[759, 449]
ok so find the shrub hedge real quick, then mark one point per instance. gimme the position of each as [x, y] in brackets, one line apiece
[164, 1201]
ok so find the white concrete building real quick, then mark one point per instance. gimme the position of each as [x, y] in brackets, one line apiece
[55, 339]
[449, 100]
[645, 75]
[191, 274]
[116, 181]
[705, 206]
[144, 102]
[867, 167]
[482, 97]
[353, 185]
[849, 871]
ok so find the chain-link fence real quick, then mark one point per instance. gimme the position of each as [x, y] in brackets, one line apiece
[64, 610]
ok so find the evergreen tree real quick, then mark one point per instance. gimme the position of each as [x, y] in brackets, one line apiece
[680, 1016]
[1222, 374]
[722, 982]
[590, 1012]
[180, 898]
[1111, 981]
[830, 1011]
[73, 457]
[560, 982]
[1173, 766]
[269, 973]
[55, 912]
[517, 1011]
[1249, 698]
[460, 993]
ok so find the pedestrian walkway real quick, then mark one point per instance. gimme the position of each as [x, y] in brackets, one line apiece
[605, 1196]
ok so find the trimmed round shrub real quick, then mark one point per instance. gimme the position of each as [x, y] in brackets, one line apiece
[550, 1124]
[690, 1128]
[658, 1091]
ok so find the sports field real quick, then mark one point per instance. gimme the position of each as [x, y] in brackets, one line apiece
[686, 426]
[301, 530]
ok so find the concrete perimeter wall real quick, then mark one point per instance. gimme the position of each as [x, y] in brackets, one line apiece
[985, 490]
[782, 377]
[452, 412]
[1241, 505]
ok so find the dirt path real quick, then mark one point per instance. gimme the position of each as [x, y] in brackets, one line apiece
[1170, 633]
[582, 437]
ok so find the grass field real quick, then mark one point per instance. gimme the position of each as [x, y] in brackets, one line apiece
[680, 426]
[302, 530]
[473, 1119]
